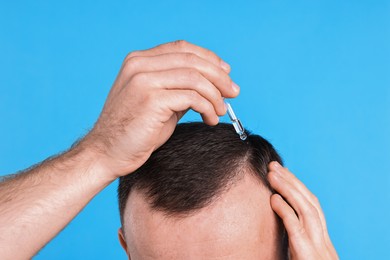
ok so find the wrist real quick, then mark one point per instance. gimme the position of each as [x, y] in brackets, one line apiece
[104, 160]
[90, 163]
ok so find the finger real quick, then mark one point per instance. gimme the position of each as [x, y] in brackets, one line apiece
[172, 101]
[310, 196]
[169, 61]
[293, 226]
[307, 213]
[183, 46]
[294, 181]
[300, 244]
[185, 79]
[180, 114]
[290, 177]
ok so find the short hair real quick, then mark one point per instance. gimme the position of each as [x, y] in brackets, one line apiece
[195, 166]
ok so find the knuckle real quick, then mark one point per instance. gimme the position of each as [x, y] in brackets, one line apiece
[149, 99]
[217, 97]
[315, 199]
[189, 57]
[193, 75]
[300, 230]
[214, 56]
[138, 78]
[180, 44]
[131, 55]
[296, 231]
[228, 81]
[207, 106]
[310, 210]
[193, 96]
[131, 63]
[224, 80]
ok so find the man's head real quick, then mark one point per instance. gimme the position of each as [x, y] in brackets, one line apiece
[202, 195]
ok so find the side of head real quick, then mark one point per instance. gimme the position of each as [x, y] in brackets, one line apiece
[203, 194]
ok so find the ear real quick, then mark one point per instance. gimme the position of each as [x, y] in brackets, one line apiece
[122, 240]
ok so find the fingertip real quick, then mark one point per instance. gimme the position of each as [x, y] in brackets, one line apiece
[211, 121]
[277, 165]
[236, 88]
[275, 196]
[276, 200]
[231, 91]
[272, 165]
[275, 181]
[215, 122]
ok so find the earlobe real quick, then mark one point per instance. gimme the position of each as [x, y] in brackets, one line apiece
[123, 241]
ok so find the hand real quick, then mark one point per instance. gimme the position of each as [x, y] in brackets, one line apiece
[302, 216]
[153, 90]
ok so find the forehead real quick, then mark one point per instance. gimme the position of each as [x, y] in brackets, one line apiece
[238, 224]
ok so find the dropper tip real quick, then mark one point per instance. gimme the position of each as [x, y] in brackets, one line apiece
[243, 136]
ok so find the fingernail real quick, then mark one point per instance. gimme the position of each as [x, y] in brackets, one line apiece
[225, 66]
[235, 87]
[277, 165]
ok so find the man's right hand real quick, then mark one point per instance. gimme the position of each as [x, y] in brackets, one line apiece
[152, 92]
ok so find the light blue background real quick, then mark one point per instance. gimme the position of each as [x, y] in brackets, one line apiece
[314, 77]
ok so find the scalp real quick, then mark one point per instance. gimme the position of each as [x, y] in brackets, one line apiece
[195, 166]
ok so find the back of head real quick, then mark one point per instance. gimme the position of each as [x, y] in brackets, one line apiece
[195, 166]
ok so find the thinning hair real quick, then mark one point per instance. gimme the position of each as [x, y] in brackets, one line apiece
[194, 166]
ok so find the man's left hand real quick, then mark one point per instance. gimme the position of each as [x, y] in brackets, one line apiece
[302, 216]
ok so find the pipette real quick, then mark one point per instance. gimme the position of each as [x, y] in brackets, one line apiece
[236, 122]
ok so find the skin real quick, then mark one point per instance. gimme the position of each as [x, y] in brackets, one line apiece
[153, 90]
[240, 224]
[302, 216]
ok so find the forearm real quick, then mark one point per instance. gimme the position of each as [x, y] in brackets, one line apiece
[37, 204]
[140, 114]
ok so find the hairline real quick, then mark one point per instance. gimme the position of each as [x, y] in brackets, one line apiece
[237, 176]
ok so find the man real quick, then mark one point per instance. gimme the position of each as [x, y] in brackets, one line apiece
[152, 92]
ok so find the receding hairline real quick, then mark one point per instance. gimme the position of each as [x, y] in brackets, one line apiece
[239, 175]
[173, 217]
[218, 146]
